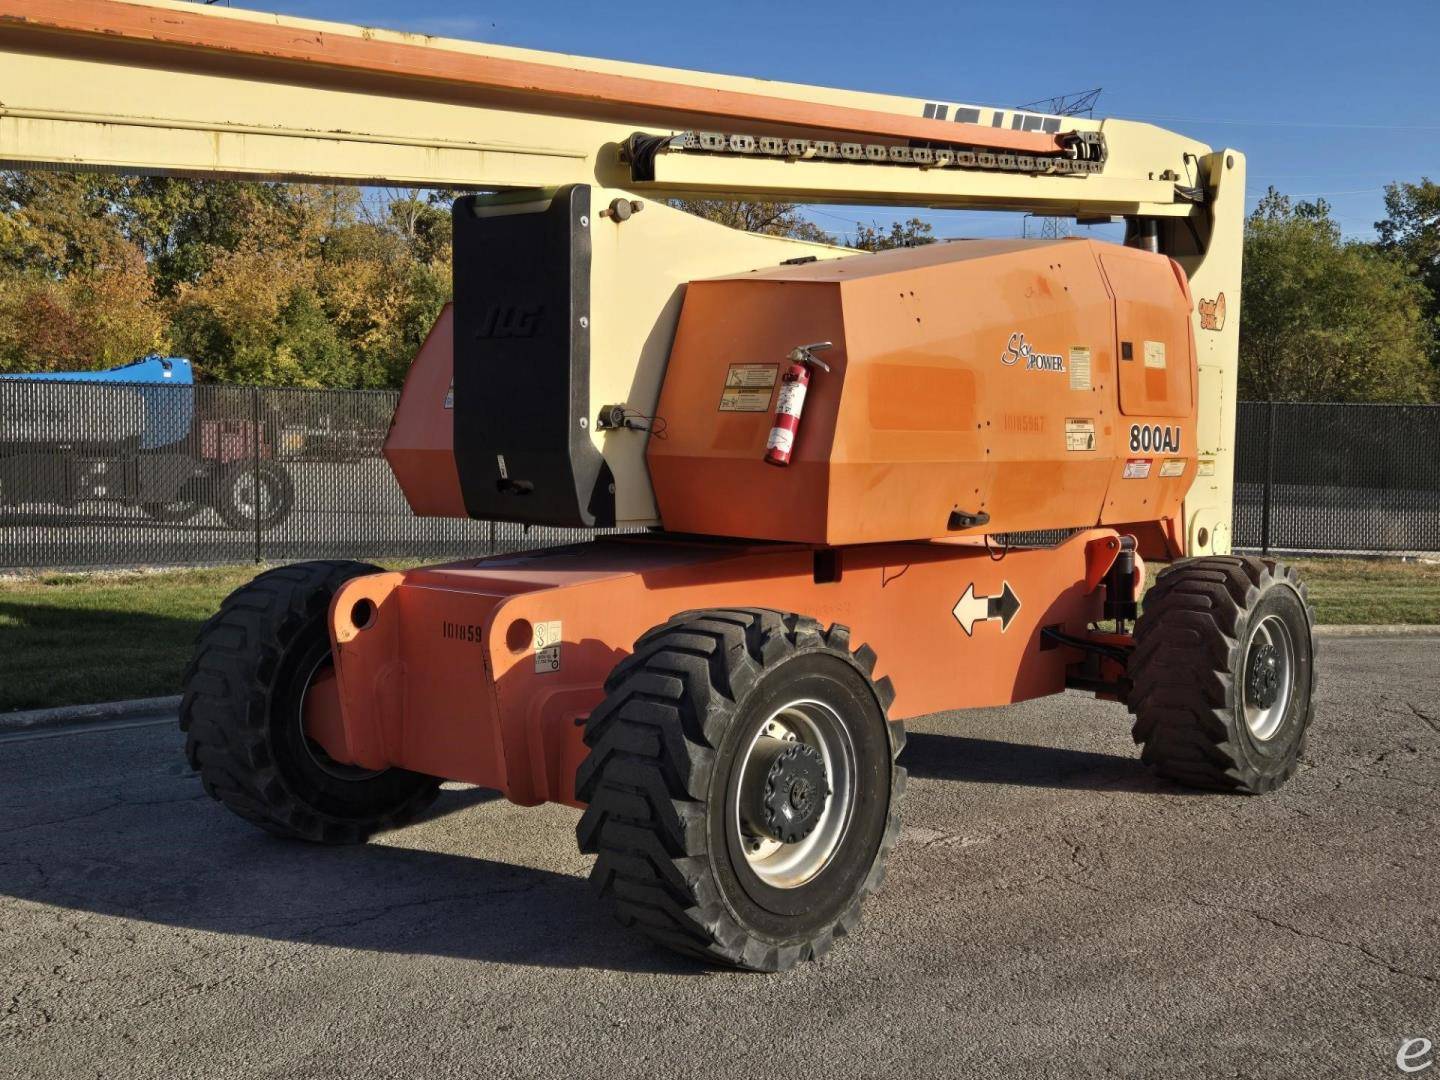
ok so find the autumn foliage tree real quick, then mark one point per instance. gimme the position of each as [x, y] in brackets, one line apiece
[901, 234]
[75, 290]
[1323, 319]
[317, 286]
[765, 218]
[261, 283]
[1411, 233]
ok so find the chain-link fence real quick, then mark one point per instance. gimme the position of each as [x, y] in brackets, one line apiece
[127, 475]
[1314, 477]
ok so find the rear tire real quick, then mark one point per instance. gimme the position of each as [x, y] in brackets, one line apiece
[721, 720]
[242, 715]
[245, 491]
[1223, 673]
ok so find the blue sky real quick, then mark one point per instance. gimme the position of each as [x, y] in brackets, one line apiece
[1325, 97]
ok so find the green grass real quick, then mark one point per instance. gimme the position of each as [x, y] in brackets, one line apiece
[1363, 592]
[1372, 591]
[70, 639]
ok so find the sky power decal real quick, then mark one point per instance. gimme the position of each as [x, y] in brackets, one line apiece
[1017, 349]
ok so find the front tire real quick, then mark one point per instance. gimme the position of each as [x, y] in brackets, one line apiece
[1223, 673]
[242, 715]
[742, 786]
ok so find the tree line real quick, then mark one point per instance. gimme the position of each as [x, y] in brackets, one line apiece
[1323, 318]
[319, 286]
[275, 284]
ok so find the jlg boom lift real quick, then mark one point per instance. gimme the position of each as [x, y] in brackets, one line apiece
[827, 461]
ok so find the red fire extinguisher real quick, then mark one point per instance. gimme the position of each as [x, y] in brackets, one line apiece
[791, 403]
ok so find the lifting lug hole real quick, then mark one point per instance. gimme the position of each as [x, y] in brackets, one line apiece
[519, 636]
[362, 614]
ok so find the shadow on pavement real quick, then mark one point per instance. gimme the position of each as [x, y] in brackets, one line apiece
[993, 761]
[142, 842]
[187, 863]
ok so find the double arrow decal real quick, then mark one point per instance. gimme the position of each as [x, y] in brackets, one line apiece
[971, 609]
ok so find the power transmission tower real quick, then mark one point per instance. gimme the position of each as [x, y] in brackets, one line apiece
[1077, 104]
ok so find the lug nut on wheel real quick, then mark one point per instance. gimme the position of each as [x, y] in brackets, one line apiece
[1263, 684]
[784, 790]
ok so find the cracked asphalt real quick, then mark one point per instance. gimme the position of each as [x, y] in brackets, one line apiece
[1051, 910]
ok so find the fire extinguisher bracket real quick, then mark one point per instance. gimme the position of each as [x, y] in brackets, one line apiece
[805, 354]
[791, 401]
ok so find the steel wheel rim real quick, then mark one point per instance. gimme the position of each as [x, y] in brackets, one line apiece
[252, 497]
[321, 760]
[789, 866]
[1265, 720]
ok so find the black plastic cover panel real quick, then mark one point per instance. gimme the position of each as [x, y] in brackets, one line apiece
[522, 360]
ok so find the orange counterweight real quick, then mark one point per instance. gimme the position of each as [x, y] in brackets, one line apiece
[484, 671]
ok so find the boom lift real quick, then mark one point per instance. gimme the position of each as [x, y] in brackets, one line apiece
[858, 488]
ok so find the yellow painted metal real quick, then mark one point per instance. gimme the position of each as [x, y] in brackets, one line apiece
[1214, 270]
[82, 111]
[92, 103]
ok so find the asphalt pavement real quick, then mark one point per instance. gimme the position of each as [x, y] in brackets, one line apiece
[1051, 910]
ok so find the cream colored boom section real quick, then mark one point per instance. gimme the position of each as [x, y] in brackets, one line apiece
[184, 89]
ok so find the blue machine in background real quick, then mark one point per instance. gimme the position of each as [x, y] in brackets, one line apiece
[168, 415]
[139, 435]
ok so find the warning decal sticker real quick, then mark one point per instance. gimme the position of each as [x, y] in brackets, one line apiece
[1079, 434]
[1207, 467]
[547, 647]
[1137, 468]
[1080, 367]
[971, 609]
[1212, 313]
[1172, 467]
[1154, 354]
[748, 387]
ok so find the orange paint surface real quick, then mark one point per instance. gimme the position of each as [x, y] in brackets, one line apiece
[447, 681]
[961, 375]
[323, 718]
[420, 446]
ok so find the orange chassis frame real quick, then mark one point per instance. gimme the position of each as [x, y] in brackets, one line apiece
[442, 670]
